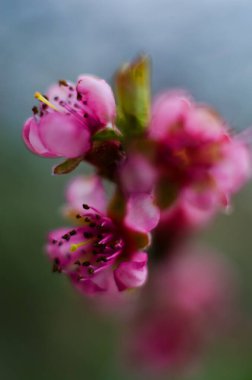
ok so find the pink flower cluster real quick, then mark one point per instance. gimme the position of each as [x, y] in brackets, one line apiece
[173, 165]
[197, 156]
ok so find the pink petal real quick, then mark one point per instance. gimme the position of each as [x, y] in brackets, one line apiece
[168, 111]
[64, 135]
[88, 190]
[186, 213]
[102, 283]
[32, 139]
[137, 174]
[235, 168]
[132, 274]
[99, 97]
[204, 124]
[142, 215]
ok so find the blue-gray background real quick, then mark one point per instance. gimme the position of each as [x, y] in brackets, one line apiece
[205, 46]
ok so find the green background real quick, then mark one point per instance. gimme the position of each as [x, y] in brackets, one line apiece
[47, 330]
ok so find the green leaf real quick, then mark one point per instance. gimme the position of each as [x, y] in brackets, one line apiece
[132, 87]
[107, 134]
[67, 166]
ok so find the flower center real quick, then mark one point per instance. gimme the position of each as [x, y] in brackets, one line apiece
[99, 249]
[74, 247]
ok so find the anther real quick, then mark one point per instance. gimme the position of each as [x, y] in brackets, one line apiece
[90, 270]
[35, 110]
[85, 206]
[101, 259]
[63, 82]
[66, 237]
[73, 232]
[86, 263]
[87, 235]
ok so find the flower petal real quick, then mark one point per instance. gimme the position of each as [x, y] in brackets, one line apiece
[142, 215]
[168, 109]
[137, 174]
[132, 274]
[88, 190]
[64, 135]
[32, 139]
[98, 96]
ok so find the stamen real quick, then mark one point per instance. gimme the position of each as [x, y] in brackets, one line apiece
[63, 82]
[42, 99]
[74, 247]
[35, 110]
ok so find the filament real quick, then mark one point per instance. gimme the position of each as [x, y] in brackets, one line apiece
[42, 99]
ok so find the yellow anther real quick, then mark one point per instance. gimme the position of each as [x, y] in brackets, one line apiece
[42, 99]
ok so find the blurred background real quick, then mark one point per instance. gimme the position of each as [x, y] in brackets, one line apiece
[47, 330]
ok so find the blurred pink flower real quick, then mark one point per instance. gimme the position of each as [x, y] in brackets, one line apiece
[68, 116]
[196, 156]
[189, 301]
[199, 282]
[162, 342]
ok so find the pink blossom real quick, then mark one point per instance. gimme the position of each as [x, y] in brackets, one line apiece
[162, 342]
[68, 116]
[103, 253]
[189, 301]
[90, 255]
[200, 283]
[85, 251]
[196, 155]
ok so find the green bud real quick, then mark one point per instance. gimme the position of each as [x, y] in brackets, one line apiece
[132, 88]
